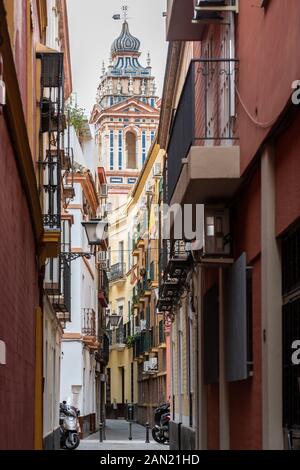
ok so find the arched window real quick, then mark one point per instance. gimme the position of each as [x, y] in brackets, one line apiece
[131, 150]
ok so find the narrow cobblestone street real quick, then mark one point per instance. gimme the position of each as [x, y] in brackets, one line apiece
[117, 432]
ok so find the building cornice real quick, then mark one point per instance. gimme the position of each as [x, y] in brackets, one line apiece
[89, 189]
[69, 217]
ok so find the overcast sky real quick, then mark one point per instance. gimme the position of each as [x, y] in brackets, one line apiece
[92, 31]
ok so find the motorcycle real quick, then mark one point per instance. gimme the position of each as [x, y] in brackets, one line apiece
[69, 427]
[160, 431]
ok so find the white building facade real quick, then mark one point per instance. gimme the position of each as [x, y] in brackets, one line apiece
[83, 366]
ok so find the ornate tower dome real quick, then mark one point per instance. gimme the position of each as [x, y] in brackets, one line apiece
[125, 43]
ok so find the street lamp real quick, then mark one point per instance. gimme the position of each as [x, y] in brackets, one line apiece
[96, 231]
[114, 319]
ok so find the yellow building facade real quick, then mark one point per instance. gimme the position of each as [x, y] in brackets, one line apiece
[137, 369]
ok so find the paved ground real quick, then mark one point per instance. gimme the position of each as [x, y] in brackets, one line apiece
[117, 432]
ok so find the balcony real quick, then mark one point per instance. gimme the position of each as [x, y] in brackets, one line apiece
[153, 276]
[117, 272]
[52, 126]
[135, 249]
[203, 151]
[50, 178]
[186, 19]
[57, 286]
[103, 353]
[89, 323]
[146, 287]
[140, 289]
[117, 338]
[103, 288]
[161, 333]
[179, 25]
[142, 344]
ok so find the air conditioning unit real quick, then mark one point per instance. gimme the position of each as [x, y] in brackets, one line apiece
[216, 232]
[102, 259]
[153, 363]
[104, 190]
[102, 256]
[149, 187]
[143, 325]
[157, 170]
[211, 11]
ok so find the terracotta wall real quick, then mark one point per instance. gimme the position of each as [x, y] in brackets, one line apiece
[287, 170]
[19, 297]
[267, 48]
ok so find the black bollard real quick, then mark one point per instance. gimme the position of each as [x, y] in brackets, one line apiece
[147, 441]
[130, 432]
[101, 432]
[104, 431]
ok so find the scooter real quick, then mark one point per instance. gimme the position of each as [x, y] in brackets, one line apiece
[69, 427]
[160, 431]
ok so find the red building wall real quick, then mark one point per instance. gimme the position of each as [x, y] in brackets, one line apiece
[245, 396]
[267, 48]
[287, 170]
[245, 399]
[20, 47]
[18, 299]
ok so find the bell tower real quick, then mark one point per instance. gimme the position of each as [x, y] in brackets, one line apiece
[126, 114]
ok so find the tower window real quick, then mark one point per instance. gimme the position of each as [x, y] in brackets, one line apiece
[131, 150]
[111, 150]
[143, 147]
[120, 163]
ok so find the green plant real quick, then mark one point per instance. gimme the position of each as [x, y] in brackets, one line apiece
[76, 116]
[131, 340]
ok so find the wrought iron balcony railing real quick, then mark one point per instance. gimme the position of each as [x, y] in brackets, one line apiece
[103, 285]
[57, 285]
[52, 126]
[161, 330]
[117, 271]
[117, 335]
[205, 113]
[50, 177]
[143, 343]
[89, 322]
[105, 348]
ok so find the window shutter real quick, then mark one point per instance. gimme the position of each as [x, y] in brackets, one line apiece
[211, 336]
[236, 334]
